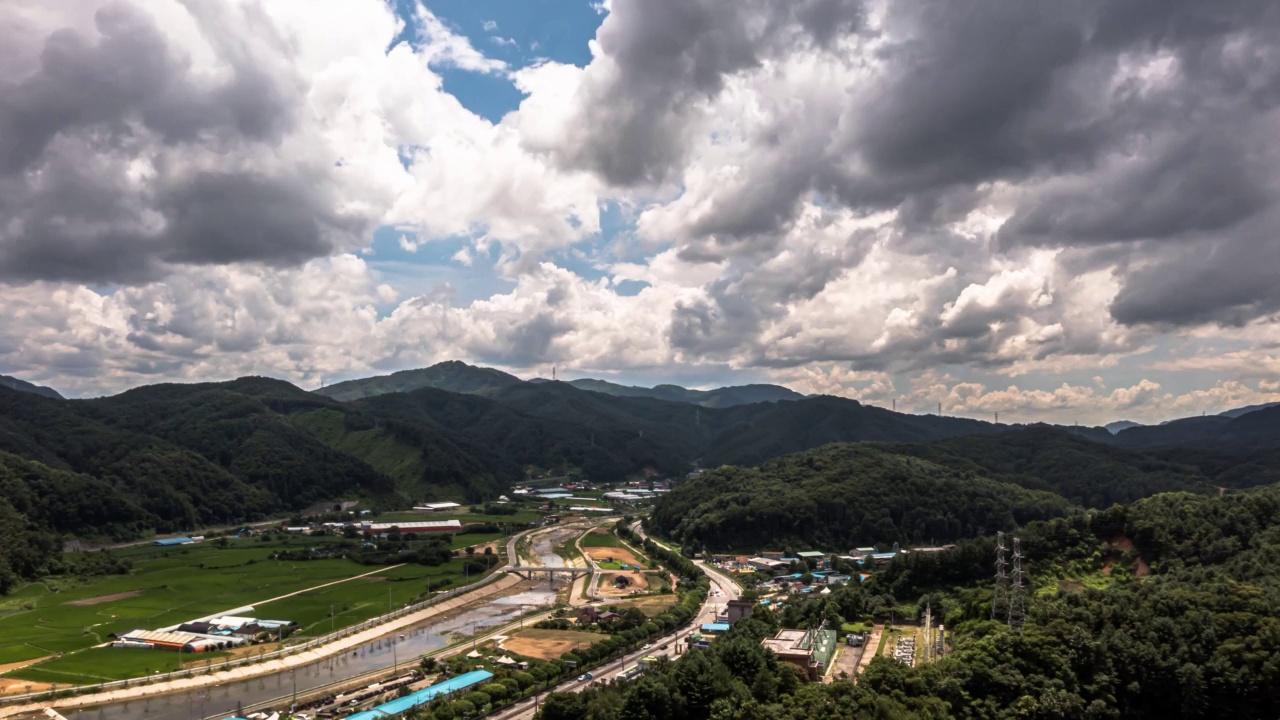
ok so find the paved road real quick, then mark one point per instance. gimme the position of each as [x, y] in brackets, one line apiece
[723, 589]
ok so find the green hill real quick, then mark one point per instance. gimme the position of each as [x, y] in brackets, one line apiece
[453, 376]
[842, 496]
[14, 383]
[1085, 473]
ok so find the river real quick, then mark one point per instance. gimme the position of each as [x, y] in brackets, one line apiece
[417, 640]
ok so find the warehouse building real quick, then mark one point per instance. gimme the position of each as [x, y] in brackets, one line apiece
[427, 526]
[175, 641]
[400, 706]
[437, 507]
[767, 565]
[170, 542]
[817, 558]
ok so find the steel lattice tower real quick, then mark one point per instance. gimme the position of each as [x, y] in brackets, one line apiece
[1017, 598]
[1000, 596]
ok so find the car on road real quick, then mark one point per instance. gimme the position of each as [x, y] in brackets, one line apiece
[584, 677]
[647, 646]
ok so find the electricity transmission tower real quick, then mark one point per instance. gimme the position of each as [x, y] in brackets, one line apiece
[1017, 598]
[1000, 596]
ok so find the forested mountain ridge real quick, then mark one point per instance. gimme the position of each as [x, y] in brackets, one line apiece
[451, 375]
[841, 496]
[717, 398]
[1255, 429]
[1085, 473]
[604, 452]
[14, 383]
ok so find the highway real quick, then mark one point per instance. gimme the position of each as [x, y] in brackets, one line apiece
[723, 589]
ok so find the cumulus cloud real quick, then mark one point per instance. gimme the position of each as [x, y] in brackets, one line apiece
[961, 202]
[142, 135]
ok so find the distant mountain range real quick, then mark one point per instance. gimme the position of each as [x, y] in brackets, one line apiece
[1119, 425]
[460, 377]
[172, 456]
[14, 383]
[718, 398]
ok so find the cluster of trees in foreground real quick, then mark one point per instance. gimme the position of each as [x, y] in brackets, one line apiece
[1166, 608]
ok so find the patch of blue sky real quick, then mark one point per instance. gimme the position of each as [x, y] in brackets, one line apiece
[517, 32]
[430, 270]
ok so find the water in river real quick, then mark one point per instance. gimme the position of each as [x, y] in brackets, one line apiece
[221, 701]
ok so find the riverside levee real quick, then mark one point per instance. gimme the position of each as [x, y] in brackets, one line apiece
[222, 700]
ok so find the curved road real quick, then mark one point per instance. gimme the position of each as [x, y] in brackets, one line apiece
[723, 589]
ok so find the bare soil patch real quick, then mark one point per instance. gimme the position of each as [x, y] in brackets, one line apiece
[6, 667]
[104, 598]
[21, 687]
[652, 605]
[549, 644]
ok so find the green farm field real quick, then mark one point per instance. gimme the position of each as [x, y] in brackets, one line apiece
[98, 665]
[172, 585]
[601, 539]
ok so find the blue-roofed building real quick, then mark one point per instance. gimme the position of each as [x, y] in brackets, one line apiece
[715, 627]
[167, 542]
[402, 705]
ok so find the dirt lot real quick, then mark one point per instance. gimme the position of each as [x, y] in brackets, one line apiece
[105, 598]
[549, 644]
[21, 687]
[651, 606]
[638, 582]
[605, 554]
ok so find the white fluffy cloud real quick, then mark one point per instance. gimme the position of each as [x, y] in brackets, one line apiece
[878, 200]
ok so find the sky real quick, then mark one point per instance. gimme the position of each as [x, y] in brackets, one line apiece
[1058, 210]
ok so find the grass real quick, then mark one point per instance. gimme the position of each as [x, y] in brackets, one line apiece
[475, 539]
[98, 665]
[601, 539]
[187, 582]
[858, 627]
[402, 462]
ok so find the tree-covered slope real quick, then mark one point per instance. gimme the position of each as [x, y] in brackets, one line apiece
[842, 496]
[603, 450]
[14, 383]
[1085, 473]
[751, 434]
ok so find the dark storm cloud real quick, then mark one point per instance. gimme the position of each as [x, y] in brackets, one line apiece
[664, 56]
[116, 158]
[1143, 123]
[527, 343]
[1227, 279]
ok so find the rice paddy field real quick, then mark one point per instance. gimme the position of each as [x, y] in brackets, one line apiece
[171, 585]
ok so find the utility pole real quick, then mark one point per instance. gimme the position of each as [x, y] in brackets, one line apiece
[895, 404]
[1000, 595]
[1017, 598]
